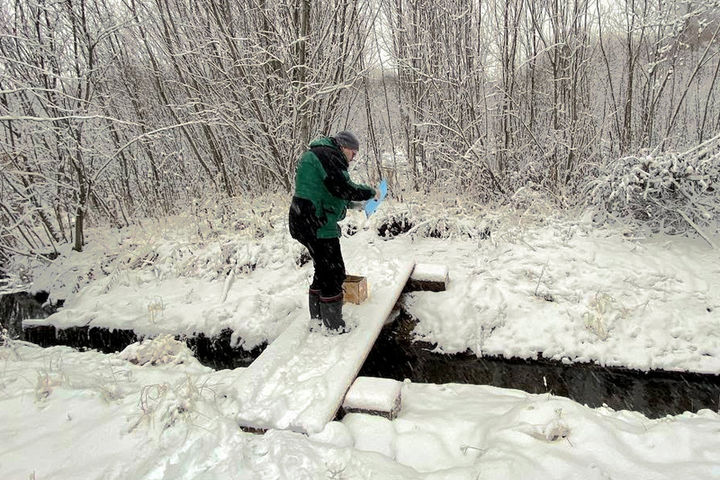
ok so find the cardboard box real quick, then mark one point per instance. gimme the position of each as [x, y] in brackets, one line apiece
[355, 289]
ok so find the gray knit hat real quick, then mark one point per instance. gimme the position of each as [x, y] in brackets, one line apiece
[347, 139]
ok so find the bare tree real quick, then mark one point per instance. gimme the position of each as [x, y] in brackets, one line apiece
[52, 52]
[117, 111]
[137, 108]
[558, 87]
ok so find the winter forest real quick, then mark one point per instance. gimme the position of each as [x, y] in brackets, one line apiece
[113, 111]
[559, 160]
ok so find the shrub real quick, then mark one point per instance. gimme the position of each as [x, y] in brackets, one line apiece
[666, 193]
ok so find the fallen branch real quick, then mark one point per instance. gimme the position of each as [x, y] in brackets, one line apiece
[697, 229]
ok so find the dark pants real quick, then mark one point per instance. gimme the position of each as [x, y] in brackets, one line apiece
[325, 252]
[329, 266]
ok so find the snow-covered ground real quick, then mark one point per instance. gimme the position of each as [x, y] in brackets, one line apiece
[539, 284]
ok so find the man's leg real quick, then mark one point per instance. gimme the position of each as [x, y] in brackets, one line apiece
[314, 290]
[314, 304]
[328, 279]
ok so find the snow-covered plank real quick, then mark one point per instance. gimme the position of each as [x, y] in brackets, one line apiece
[298, 383]
[429, 277]
[376, 396]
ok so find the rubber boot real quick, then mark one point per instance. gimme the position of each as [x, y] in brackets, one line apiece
[331, 310]
[314, 304]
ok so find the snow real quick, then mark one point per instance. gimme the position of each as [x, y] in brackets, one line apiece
[556, 287]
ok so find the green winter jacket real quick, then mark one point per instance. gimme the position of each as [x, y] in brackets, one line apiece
[323, 191]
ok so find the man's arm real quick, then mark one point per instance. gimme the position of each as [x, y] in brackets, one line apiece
[337, 180]
[342, 187]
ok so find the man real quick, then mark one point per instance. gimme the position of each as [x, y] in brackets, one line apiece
[323, 191]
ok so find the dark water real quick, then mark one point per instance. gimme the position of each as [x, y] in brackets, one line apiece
[218, 352]
[655, 393]
[396, 356]
[16, 307]
[214, 352]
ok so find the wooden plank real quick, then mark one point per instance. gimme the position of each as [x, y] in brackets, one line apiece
[374, 396]
[428, 277]
[299, 382]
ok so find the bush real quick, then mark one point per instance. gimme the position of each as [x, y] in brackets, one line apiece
[666, 193]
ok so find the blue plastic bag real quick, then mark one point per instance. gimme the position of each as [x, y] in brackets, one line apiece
[373, 204]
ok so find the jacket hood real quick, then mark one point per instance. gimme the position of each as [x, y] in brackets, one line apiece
[324, 142]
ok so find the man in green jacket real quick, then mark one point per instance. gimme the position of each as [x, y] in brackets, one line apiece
[323, 191]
